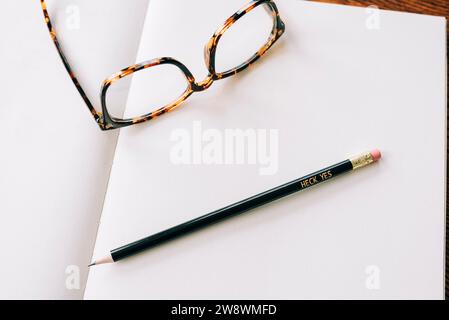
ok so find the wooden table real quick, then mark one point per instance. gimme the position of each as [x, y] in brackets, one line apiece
[432, 7]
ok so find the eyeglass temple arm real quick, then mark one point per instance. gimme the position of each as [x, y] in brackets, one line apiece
[93, 111]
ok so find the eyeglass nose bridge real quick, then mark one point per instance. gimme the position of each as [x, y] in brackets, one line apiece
[203, 85]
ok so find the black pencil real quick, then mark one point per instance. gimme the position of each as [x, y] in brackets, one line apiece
[240, 207]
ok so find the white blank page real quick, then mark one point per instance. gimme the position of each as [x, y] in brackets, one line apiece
[55, 161]
[332, 88]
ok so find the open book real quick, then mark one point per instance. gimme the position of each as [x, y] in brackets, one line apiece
[341, 80]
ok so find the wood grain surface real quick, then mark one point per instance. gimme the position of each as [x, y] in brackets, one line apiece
[431, 7]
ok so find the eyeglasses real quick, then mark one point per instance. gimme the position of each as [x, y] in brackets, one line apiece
[215, 54]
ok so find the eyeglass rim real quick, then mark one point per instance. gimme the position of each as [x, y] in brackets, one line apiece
[106, 122]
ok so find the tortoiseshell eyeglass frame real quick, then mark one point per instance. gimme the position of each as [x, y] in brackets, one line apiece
[108, 122]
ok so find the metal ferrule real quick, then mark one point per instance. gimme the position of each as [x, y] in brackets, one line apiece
[361, 161]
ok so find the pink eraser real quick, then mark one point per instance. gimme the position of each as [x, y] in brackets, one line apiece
[376, 154]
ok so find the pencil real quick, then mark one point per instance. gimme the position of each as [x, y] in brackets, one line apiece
[240, 207]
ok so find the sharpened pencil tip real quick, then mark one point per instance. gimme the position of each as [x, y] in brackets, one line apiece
[92, 264]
